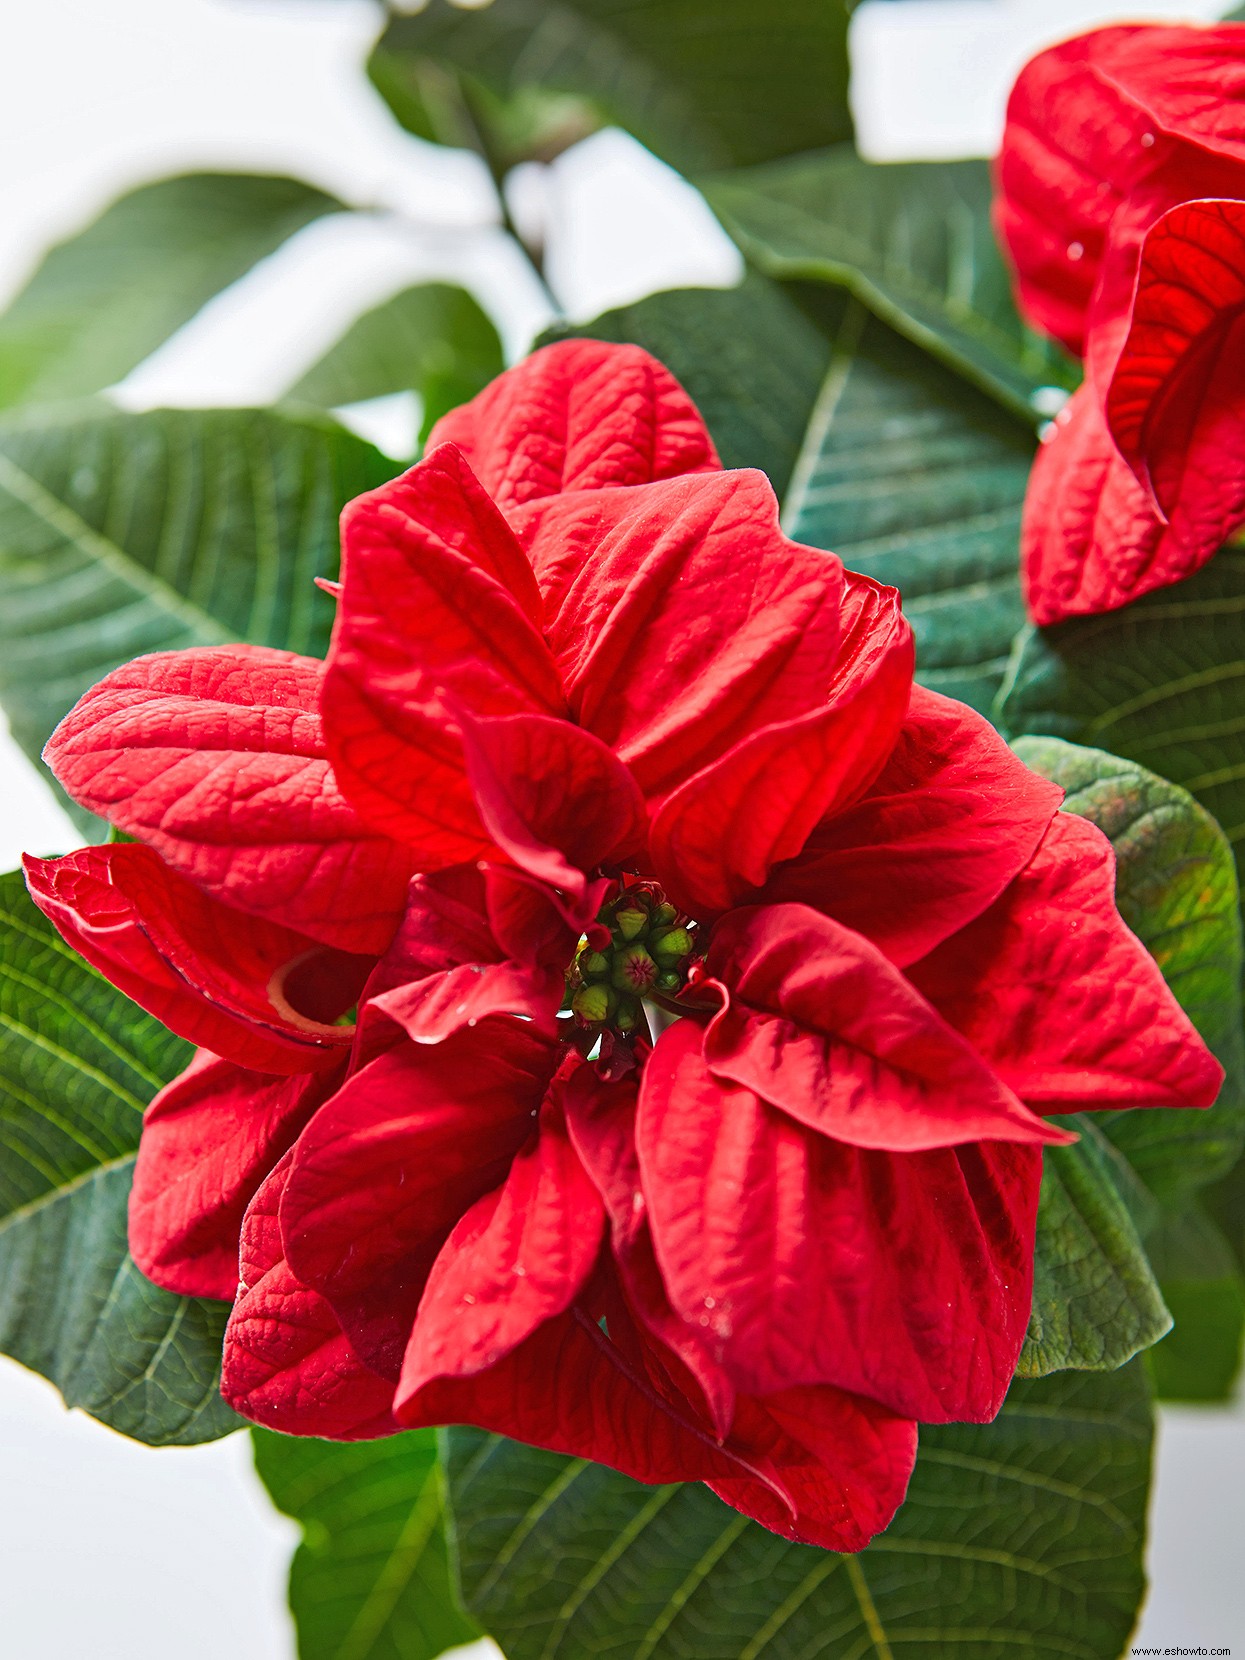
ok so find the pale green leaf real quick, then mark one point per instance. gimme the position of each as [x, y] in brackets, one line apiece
[702, 88]
[434, 340]
[104, 299]
[370, 1580]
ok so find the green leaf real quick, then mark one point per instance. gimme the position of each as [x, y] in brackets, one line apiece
[918, 480]
[702, 89]
[1024, 1535]
[1096, 1301]
[1202, 1282]
[123, 533]
[751, 359]
[105, 299]
[434, 340]
[78, 1063]
[1177, 889]
[371, 1579]
[913, 242]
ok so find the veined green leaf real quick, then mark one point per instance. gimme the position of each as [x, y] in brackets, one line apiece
[104, 299]
[1096, 1299]
[913, 242]
[78, 1063]
[1021, 1535]
[701, 88]
[371, 1579]
[918, 480]
[434, 340]
[124, 533]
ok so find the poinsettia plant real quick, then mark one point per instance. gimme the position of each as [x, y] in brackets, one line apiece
[653, 1014]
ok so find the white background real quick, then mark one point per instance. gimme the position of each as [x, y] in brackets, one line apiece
[110, 1551]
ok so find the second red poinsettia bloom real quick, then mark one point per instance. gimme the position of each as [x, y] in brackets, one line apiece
[1122, 205]
[630, 1007]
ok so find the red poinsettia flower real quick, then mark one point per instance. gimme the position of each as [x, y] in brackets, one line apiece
[1122, 204]
[629, 1006]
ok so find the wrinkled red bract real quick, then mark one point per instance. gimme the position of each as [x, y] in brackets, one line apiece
[639, 746]
[1122, 205]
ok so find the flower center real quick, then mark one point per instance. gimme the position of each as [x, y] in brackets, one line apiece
[639, 948]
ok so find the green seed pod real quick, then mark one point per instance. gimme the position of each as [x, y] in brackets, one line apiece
[594, 1003]
[671, 945]
[669, 981]
[593, 964]
[664, 914]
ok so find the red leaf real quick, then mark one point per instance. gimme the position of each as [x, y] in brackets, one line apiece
[210, 973]
[1176, 401]
[439, 611]
[555, 800]
[720, 834]
[518, 1257]
[405, 1147]
[904, 1277]
[287, 1364]
[824, 1026]
[844, 1461]
[950, 820]
[578, 415]
[1066, 1004]
[216, 759]
[679, 614]
[209, 1140]
[1108, 115]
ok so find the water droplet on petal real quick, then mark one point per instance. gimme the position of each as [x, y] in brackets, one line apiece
[1147, 141]
[1076, 250]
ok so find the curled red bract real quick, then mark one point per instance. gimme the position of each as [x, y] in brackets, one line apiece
[685, 1110]
[1121, 202]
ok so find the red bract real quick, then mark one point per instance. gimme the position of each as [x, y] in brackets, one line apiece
[655, 763]
[1122, 205]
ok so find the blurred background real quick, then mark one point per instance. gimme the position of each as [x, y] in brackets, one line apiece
[179, 1552]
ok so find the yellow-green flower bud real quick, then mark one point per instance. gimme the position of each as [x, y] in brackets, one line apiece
[594, 1003]
[631, 921]
[593, 964]
[671, 945]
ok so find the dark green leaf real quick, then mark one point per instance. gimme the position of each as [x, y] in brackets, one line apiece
[1096, 1302]
[918, 480]
[122, 533]
[749, 356]
[78, 1063]
[433, 340]
[1024, 1535]
[701, 87]
[1203, 1285]
[1176, 888]
[105, 299]
[1176, 885]
[370, 1580]
[913, 242]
